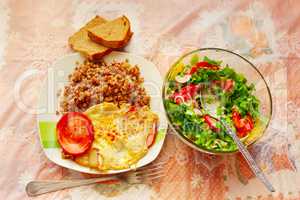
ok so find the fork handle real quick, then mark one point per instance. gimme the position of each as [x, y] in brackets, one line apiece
[256, 170]
[35, 188]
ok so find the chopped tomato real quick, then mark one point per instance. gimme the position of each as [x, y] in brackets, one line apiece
[180, 98]
[228, 85]
[75, 133]
[189, 89]
[211, 123]
[152, 135]
[242, 125]
[193, 69]
[203, 65]
[186, 93]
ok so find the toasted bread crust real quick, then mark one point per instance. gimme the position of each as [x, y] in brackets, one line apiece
[98, 56]
[111, 44]
[80, 41]
[96, 35]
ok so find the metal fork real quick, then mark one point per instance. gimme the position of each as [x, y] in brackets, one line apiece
[144, 174]
[250, 160]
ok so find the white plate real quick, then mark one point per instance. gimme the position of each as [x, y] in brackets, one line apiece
[48, 103]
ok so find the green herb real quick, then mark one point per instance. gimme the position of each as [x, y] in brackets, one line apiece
[194, 60]
[212, 62]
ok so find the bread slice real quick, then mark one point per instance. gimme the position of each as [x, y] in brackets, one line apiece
[81, 42]
[114, 34]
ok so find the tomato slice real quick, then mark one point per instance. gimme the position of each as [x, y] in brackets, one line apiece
[228, 85]
[75, 133]
[211, 123]
[152, 135]
[242, 125]
[186, 93]
[203, 65]
[180, 98]
[189, 89]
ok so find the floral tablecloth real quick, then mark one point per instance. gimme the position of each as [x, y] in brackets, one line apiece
[34, 33]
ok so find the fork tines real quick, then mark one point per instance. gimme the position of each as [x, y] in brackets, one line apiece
[150, 172]
[152, 167]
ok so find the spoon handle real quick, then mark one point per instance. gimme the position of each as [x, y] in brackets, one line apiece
[256, 170]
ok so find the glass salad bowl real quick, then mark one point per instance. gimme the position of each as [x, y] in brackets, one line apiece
[209, 84]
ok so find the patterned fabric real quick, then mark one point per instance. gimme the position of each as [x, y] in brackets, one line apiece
[34, 33]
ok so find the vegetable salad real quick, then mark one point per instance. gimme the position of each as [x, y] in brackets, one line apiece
[202, 92]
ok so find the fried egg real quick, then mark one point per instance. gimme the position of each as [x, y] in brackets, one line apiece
[120, 136]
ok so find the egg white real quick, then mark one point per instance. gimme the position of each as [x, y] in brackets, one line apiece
[120, 136]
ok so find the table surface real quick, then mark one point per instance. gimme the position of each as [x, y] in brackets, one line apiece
[34, 33]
